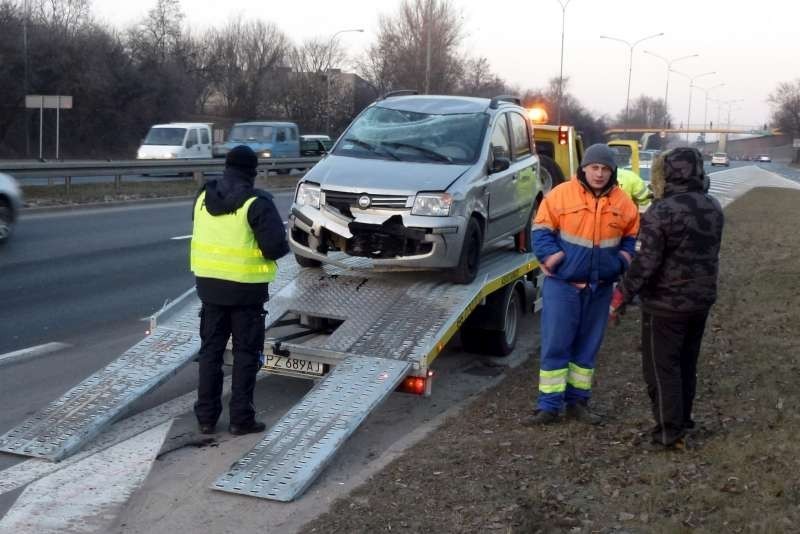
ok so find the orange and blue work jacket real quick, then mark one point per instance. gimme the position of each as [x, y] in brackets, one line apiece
[590, 229]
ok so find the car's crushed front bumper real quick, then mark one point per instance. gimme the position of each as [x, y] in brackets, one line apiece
[390, 238]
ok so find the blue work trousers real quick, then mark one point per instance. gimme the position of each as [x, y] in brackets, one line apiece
[573, 324]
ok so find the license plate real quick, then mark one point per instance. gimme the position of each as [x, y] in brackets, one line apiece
[282, 364]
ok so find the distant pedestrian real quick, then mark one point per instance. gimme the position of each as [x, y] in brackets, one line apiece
[238, 235]
[675, 274]
[584, 236]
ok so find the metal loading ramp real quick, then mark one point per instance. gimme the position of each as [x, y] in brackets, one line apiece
[391, 323]
[301, 444]
[67, 424]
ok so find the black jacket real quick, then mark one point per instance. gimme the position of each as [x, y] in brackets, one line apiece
[677, 262]
[226, 196]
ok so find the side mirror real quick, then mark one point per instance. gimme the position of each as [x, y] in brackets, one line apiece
[500, 163]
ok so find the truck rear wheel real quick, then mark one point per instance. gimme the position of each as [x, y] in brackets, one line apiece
[497, 342]
[550, 173]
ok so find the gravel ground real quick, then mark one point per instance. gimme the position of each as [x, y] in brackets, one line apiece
[484, 472]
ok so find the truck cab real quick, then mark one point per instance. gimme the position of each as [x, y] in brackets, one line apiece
[267, 139]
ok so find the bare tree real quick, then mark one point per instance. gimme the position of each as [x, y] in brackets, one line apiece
[785, 103]
[644, 112]
[159, 34]
[479, 80]
[417, 48]
[64, 15]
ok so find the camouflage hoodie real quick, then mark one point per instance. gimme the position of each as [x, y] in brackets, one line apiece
[677, 261]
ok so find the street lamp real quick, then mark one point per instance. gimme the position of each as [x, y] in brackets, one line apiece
[705, 107]
[691, 86]
[561, 71]
[631, 46]
[669, 63]
[328, 78]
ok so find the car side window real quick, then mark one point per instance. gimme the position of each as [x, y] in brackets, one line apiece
[293, 134]
[204, 137]
[191, 139]
[281, 136]
[501, 147]
[521, 137]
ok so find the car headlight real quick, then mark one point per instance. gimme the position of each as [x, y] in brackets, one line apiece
[266, 154]
[307, 195]
[432, 204]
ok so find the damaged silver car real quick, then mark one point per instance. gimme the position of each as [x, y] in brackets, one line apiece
[421, 182]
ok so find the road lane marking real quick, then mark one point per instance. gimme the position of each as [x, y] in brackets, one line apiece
[86, 496]
[31, 352]
[176, 238]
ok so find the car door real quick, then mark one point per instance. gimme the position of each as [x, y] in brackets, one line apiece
[191, 145]
[502, 188]
[205, 143]
[523, 165]
[280, 147]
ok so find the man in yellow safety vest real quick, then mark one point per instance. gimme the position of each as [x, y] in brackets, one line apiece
[237, 237]
[635, 187]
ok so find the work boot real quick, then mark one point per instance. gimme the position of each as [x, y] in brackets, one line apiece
[541, 417]
[580, 412]
[253, 428]
[208, 428]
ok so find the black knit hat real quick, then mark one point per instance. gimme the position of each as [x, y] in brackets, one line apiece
[599, 153]
[243, 158]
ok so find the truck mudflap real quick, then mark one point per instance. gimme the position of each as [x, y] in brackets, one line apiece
[296, 449]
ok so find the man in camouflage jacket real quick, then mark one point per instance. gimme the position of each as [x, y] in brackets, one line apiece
[675, 275]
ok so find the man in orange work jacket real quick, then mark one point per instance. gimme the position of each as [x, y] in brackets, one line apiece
[584, 236]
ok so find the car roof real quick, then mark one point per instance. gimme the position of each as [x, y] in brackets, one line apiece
[438, 104]
[315, 136]
[180, 125]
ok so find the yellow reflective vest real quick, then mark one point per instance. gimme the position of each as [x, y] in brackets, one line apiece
[634, 186]
[224, 247]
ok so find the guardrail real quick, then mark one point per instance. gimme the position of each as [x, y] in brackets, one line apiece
[197, 168]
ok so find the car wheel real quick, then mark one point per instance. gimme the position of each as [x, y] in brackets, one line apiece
[550, 174]
[470, 259]
[523, 240]
[6, 223]
[307, 262]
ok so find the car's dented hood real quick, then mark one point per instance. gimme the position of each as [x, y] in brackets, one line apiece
[387, 177]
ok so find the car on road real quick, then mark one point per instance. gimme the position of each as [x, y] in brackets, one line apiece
[10, 204]
[421, 182]
[720, 158]
[313, 145]
[763, 158]
[268, 139]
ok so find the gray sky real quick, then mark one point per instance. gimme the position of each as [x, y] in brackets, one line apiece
[751, 46]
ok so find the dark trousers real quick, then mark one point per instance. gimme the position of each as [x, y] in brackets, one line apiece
[670, 348]
[217, 324]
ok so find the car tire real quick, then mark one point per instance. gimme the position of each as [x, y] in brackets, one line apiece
[470, 258]
[310, 263]
[550, 172]
[6, 223]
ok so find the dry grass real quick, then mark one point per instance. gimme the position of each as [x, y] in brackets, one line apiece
[741, 476]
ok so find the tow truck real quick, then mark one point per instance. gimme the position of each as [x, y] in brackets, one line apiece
[361, 334]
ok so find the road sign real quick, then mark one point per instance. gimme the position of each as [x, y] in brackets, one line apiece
[48, 101]
[42, 102]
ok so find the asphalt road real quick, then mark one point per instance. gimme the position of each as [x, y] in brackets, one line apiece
[87, 279]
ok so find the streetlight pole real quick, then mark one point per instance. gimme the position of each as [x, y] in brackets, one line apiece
[691, 86]
[705, 107]
[669, 63]
[631, 46]
[561, 71]
[328, 77]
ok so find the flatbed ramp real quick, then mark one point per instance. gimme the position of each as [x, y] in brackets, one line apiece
[391, 323]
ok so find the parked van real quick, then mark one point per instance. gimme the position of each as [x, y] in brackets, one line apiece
[178, 140]
[267, 139]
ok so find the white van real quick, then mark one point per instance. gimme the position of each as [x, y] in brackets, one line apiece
[178, 140]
